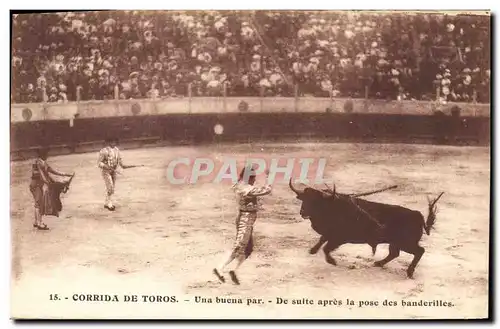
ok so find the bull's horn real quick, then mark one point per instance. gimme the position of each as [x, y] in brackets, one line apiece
[298, 192]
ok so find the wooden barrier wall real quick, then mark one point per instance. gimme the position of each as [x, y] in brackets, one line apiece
[199, 128]
[55, 111]
[69, 127]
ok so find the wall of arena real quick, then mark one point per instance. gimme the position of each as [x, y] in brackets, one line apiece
[76, 127]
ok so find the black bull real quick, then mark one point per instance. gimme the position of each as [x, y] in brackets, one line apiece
[341, 219]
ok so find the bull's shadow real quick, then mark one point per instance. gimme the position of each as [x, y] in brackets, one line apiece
[343, 218]
[358, 263]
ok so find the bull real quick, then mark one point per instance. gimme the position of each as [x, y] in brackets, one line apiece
[341, 218]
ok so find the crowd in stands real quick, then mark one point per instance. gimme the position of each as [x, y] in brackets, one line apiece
[59, 57]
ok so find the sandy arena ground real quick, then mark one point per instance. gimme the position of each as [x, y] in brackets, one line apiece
[165, 240]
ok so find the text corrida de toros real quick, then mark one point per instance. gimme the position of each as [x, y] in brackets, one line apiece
[124, 298]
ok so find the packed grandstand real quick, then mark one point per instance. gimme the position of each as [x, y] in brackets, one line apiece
[60, 57]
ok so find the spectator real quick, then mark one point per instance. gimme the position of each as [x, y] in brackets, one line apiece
[157, 54]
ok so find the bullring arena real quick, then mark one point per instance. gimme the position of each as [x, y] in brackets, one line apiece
[165, 240]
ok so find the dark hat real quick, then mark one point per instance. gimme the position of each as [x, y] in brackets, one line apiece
[251, 172]
[43, 152]
[110, 139]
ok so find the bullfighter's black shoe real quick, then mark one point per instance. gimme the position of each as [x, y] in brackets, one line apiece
[234, 277]
[42, 227]
[220, 277]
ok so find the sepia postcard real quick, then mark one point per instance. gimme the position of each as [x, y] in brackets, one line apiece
[250, 165]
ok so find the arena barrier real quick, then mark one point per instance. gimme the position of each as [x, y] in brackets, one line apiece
[87, 134]
[81, 126]
[119, 108]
